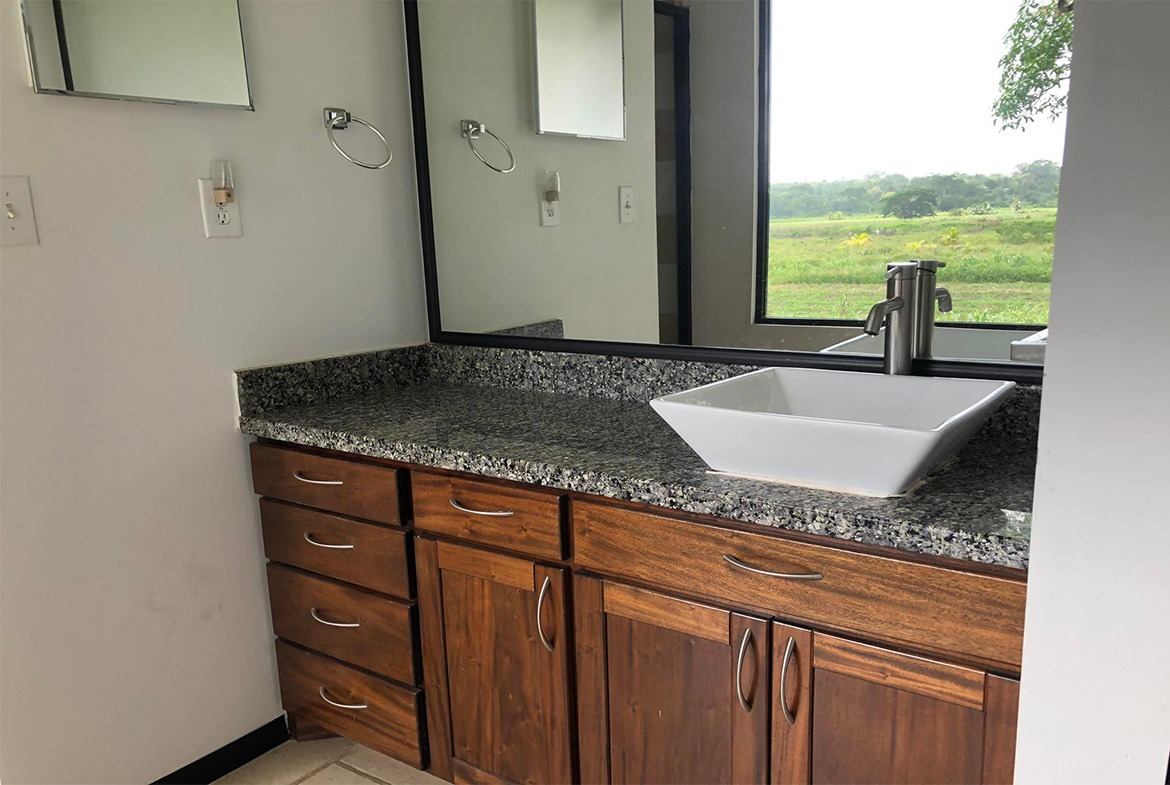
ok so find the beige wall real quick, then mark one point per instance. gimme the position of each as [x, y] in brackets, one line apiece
[1095, 703]
[135, 632]
[724, 112]
[497, 266]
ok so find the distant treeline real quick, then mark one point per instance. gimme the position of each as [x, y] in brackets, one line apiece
[1030, 185]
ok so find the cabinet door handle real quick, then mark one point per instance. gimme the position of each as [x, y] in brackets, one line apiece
[298, 476]
[539, 606]
[354, 706]
[489, 513]
[788, 650]
[327, 623]
[743, 702]
[309, 539]
[796, 576]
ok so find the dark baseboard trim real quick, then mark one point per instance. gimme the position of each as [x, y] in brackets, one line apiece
[230, 756]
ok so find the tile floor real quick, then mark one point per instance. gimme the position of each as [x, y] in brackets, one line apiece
[326, 762]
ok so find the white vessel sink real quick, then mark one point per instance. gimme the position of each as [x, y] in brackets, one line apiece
[839, 430]
[961, 343]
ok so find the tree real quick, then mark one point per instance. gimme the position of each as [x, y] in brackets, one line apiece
[915, 203]
[1035, 70]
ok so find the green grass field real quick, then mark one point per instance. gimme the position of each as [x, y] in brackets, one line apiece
[999, 266]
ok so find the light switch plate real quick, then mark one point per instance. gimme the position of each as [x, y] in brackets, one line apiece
[627, 208]
[20, 222]
[218, 221]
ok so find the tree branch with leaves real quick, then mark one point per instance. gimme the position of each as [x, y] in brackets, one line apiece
[1034, 73]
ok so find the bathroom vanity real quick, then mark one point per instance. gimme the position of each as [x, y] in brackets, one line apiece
[542, 585]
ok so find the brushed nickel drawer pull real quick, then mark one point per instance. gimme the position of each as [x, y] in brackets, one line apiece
[796, 576]
[788, 715]
[539, 606]
[297, 475]
[747, 637]
[315, 615]
[354, 706]
[489, 513]
[309, 539]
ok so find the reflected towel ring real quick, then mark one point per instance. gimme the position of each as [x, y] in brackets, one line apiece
[339, 120]
[474, 129]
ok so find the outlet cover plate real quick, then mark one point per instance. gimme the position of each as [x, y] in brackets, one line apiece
[218, 221]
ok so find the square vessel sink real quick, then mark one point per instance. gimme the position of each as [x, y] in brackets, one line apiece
[839, 430]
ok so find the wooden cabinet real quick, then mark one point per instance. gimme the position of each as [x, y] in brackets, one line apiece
[845, 712]
[496, 665]
[561, 638]
[669, 690]
[341, 591]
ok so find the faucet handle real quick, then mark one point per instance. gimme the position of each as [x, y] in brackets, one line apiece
[904, 271]
[943, 296]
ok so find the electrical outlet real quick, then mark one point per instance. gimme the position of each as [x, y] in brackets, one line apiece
[627, 209]
[550, 213]
[20, 223]
[218, 220]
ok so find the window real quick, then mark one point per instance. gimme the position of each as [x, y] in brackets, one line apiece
[878, 143]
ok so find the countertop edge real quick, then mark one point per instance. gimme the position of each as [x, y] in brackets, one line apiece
[924, 538]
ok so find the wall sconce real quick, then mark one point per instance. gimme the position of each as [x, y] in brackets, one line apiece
[223, 190]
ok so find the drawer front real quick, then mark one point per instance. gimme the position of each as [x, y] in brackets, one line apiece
[378, 634]
[362, 553]
[348, 487]
[389, 723]
[918, 605]
[511, 518]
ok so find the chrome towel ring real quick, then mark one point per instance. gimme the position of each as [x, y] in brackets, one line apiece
[339, 120]
[474, 129]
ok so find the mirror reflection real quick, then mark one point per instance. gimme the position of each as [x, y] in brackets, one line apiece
[777, 158]
[175, 51]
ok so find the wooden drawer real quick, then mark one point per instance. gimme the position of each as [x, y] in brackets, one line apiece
[389, 723]
[305, 610]
[362, 553]
[351, 488]
[499, 515]
[921, 606]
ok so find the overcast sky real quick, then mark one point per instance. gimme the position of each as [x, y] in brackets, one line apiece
[904, 86]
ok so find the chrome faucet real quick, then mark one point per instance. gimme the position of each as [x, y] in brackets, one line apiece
[928, 295]
[897, 312]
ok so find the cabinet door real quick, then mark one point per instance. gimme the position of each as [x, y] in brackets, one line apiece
[504, 645]
[669, 690]
[846, 712]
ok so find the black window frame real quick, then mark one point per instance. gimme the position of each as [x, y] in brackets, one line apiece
[763, 113]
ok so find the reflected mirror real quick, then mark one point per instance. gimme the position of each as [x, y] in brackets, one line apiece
[579, 84]
[777, 155]
[170, 51]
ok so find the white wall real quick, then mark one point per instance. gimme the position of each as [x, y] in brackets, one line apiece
[135, 633]
[496, 266]
[1096, 687]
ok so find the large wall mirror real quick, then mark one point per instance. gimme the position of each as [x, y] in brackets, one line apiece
[777, 155]
[168, 51]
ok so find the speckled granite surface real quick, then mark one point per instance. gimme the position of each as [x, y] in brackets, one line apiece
[580, 423]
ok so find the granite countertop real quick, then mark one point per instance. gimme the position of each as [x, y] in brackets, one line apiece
[975, 508]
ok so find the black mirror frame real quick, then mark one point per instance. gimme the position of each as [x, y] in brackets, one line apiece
[966, 369]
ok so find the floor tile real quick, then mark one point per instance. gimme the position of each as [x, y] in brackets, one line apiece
[337, 775]
[387, 769]
[289, 762]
